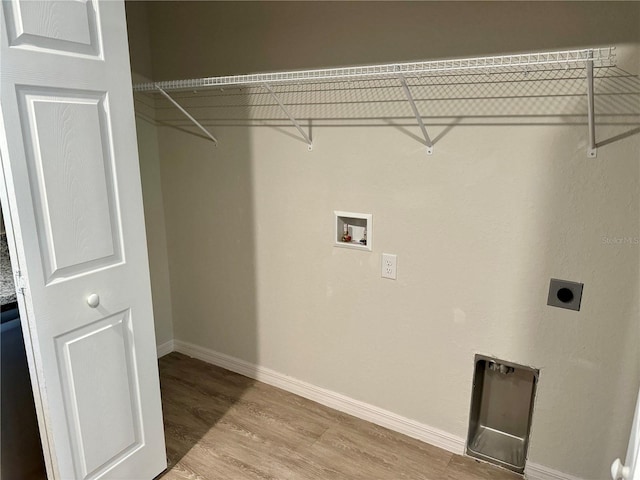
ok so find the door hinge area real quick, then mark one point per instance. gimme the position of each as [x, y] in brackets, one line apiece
[20, 281]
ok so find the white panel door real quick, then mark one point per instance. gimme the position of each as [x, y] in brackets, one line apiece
[630, 470]
[633, 451]
[72, 197]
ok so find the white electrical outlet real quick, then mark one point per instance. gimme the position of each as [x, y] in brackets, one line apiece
[389, 263]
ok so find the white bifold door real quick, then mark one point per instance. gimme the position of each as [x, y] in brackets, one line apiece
[630, 469]
[72, 201]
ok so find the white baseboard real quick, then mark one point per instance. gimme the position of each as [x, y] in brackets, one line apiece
[165, 348]
[533, 471]
[342, 403]
[326, 397]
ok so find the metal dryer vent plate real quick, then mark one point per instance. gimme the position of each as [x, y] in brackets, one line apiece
[501, 411]
[565, 294]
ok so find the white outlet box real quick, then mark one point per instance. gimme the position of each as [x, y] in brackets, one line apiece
[389, 266]
[359, 227]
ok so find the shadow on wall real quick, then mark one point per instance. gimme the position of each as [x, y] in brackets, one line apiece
[210, 232]
[590, 235]
[521, 97]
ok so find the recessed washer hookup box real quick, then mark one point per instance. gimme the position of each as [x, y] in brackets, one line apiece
[501, 412]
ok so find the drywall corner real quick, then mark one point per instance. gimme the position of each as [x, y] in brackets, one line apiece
[149, 157]
[155, 226]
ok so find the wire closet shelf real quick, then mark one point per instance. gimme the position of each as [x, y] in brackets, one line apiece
[585, 60]
[601, 57]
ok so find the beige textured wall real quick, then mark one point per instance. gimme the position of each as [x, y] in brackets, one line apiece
[479, 227]
[150, 173]
[155, 225]
[139, 38]
[194, 39]
[478, 232]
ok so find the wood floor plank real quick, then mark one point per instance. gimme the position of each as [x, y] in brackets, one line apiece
[221, 425]
[393, 452]
[470, 469]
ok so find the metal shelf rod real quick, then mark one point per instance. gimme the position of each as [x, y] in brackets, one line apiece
[412, 102]
[293, 120]
[188, 115]
[592, 149]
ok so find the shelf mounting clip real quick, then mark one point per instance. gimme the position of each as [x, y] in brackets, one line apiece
[291, 117]
[592, 149]
[187, 114]
[407, 92]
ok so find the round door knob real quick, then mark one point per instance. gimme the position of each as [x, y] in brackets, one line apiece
[93, 300]
[619, 471]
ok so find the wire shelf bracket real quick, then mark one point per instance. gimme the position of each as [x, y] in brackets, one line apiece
[291, 117]
[187, 114]
[412, 102]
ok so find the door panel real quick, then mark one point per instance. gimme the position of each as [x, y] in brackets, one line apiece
[71, 189]
[57, 26]
[71, 176]
[91, 358]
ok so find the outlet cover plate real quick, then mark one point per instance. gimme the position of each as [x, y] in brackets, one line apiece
[389, 266]
[565, 294]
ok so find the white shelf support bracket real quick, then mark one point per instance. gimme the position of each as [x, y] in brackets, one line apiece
[188, 115]
[412, 102]
[293, 120]
[592, 150]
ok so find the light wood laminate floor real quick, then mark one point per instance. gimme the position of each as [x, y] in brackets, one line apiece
[221, 425]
